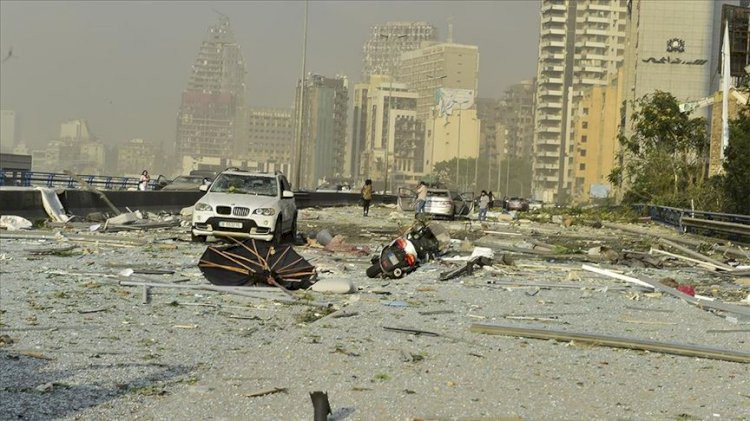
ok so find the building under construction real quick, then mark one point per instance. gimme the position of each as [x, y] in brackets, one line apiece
[382, 52]
[210, 118]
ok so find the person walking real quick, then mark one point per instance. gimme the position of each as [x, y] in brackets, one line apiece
[421, 197]
[143, 183]
[484, 202]
[366, 197]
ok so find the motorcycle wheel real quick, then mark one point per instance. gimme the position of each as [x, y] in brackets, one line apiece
[374, 270]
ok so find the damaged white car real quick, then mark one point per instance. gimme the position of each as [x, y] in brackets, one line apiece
[245, 205]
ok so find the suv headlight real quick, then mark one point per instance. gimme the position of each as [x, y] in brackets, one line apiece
[265, 211]
[200, 207]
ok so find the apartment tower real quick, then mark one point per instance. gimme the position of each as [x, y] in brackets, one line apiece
[321, 154]
[581, 42]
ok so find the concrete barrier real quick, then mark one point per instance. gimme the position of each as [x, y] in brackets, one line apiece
[27, 202]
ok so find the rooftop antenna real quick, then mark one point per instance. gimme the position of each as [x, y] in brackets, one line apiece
[450, 29]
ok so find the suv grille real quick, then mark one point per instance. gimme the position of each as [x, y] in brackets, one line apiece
[223, 210]
[239, 211]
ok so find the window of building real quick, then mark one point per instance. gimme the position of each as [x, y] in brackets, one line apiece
[582, 167]
[585, 124]
[585, 111]
[583, 152]
[584, 138]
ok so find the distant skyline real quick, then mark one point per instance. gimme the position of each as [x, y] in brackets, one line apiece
[123, 65]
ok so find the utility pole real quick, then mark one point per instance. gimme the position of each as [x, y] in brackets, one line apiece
[300, 105]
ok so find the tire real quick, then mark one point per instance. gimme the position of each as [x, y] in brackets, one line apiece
[277, 232]
[293, 231]
[197, 238]
[374, 271]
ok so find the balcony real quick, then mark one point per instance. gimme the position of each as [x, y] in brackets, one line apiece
[596, 19]
[543, 105]
[598, 7]
[550, 92]
[594, 31]
[552, 57]
[552, 44]
[551, 80]
[552, 6]
[549, 117]
[549, 129]
[553, 31]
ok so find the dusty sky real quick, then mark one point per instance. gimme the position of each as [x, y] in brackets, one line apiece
[122, 65]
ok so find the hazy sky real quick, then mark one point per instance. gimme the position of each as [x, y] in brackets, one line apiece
[122, 65]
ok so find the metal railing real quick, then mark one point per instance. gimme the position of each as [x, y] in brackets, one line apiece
[736, 226]
[47, 179]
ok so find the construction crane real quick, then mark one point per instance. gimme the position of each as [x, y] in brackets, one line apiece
[687, 107]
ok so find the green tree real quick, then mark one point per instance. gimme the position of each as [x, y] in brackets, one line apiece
[665, 161]
[489, 176]
[737, 164]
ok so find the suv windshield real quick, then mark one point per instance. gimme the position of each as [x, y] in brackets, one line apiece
[248, 184]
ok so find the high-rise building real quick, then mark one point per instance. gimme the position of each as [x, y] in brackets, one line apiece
[321, 153]
[581, 42]
[388, 131]
[596, 142]
[270, 136]
[444, 65]
[435, 66]
[488, 112]
[136, 155]
[76, 149]
[669, 48]
[382, 52]
[517, 115]
[7, 130]
[210, 120]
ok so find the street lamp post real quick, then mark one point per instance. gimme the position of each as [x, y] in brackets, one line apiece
[300, 114]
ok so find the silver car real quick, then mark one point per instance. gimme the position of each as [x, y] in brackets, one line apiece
[440, 202]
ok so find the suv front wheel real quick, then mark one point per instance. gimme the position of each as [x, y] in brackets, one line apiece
[278, 231]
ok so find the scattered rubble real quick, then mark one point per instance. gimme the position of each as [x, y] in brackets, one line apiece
[121, 321]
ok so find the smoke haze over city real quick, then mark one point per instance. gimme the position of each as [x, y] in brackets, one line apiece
[123, 65]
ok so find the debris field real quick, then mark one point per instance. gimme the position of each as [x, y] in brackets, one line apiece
[562, 319]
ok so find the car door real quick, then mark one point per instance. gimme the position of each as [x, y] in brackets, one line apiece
[463, 203]
[407, 199]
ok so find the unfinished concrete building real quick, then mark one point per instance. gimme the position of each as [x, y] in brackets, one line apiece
[321, 152]
[210, 120]
[382, 52]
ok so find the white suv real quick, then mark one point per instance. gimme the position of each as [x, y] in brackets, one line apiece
[245, 205]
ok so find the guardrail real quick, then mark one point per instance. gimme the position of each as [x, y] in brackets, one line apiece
[47, 179]
[736, 226]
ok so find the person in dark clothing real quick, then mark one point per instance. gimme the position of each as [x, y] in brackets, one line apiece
[366, 197]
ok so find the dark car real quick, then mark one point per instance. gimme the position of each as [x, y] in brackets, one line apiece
[517, 204]
[185, 182]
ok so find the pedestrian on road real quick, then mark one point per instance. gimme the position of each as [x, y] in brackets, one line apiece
[484, 202]
[421, 197]
[492, 200]
[143, 183]
[366, 197]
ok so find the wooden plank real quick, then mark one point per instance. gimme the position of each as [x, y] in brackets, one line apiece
[687, 350]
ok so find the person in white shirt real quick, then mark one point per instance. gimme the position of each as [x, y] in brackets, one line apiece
[421, 197]
[143, 182]
[484, 202]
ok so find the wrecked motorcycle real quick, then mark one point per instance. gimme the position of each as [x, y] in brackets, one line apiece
[404, 254]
